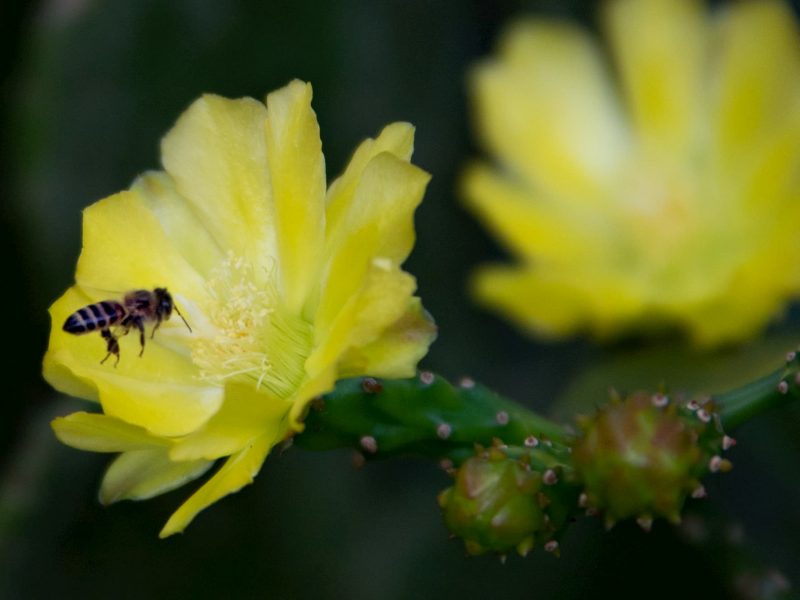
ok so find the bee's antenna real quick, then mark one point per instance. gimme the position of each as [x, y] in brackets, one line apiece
[182, 319]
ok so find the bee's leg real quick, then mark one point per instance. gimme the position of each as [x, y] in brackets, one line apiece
[126, 325]
[112, 345]
[157, 325]
[137, 322]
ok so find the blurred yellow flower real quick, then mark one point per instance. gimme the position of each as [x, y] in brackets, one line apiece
[656, 188]
[286, 287]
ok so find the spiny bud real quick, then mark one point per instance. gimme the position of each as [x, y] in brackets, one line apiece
[493, 505]
[640, 458]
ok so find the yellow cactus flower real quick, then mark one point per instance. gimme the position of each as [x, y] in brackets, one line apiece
[286, 286]
[654, 187]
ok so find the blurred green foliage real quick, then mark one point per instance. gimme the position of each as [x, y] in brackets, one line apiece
[88, 88]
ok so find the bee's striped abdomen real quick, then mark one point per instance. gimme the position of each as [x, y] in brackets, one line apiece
[95, 316]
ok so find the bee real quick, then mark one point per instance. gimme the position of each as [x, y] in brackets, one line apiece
[136, 308]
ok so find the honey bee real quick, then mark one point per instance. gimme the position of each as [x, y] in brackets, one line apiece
[136, 308]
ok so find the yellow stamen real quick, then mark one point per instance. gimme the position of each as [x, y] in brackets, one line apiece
[251, 335]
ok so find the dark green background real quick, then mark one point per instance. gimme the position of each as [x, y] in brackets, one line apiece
[88, 89]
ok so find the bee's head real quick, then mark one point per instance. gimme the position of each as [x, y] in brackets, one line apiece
[164, 303]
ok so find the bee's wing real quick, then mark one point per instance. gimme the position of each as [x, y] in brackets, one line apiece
[95, 294]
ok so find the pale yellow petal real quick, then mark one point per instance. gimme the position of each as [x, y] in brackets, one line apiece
[64, 380]
[245, 414]
[757, 78]
[396, 138]
[659, 47]
[518, 295]
[767, 186]
[237, 472]
[379, 222]
[381, 301]
[216, 154]
[320, 383]
[160, 390]
[547, 110]
[556, 304]
[737, 313]
[297, 171]
[126, 248]
[529, 223]
[142, 474]
[757, 290]
[101, 433]
[397, 351]
[162, 407]
[54, 371]
[179, 221]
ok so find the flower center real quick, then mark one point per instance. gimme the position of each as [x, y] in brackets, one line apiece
[251, 336]
[676, 230]
[661, 205]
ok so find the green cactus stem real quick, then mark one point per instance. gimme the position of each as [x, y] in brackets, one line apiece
[426, 416]
[750, 400]
[514, 483]
[639, 457]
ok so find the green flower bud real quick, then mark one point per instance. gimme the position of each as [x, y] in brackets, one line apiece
[644, 456]
[494, 505]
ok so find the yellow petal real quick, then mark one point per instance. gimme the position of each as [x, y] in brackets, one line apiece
[142, 474]
[529, 223]
[89, 347]
[397, 351]
[160, 390]
[216, 154]
[100, 433]
[237, 472]
[546, 108]
[757, 290]
[245, 414]
[516, 293]
[180, 223]
[735, 316]
[767, 185]
[316, 385]
[556, 304]
[64, 380]
[379, 222]
[397, 139]
[758, 77]
[659, 47]
[126, 248]
[297, 171]
[381, 301]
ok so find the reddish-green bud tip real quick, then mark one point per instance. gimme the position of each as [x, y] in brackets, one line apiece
[493, 504]
[643, 457]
